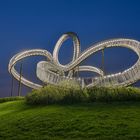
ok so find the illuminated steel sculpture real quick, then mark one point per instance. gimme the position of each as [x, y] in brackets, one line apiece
[52, 71]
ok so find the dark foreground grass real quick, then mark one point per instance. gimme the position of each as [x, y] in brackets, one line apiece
[6, 99]
[88, 121]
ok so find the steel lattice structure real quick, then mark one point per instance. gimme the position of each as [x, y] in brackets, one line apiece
[52, 71]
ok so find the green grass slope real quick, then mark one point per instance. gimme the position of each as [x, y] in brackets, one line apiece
[99, 121]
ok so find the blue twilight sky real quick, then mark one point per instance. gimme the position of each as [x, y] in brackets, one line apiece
[29, 24]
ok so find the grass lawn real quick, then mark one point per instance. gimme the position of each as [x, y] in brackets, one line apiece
[89, 121]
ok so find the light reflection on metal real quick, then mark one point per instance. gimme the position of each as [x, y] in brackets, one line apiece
[52, 71]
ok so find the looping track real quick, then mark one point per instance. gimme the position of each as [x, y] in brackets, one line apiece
[52, 71]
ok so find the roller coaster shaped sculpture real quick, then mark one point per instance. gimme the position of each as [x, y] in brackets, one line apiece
[52, 71]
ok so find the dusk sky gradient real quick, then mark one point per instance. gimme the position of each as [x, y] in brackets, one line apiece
[30, 24]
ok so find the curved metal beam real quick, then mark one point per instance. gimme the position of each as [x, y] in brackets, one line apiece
[22, 55]
[53, 71]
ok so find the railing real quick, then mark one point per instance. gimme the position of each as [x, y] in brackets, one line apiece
[47, 75]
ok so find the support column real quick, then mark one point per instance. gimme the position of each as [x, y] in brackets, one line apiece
[19, 86]
[103, 61]
[12, 86]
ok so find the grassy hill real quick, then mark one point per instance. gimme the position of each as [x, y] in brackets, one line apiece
[88, 121]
